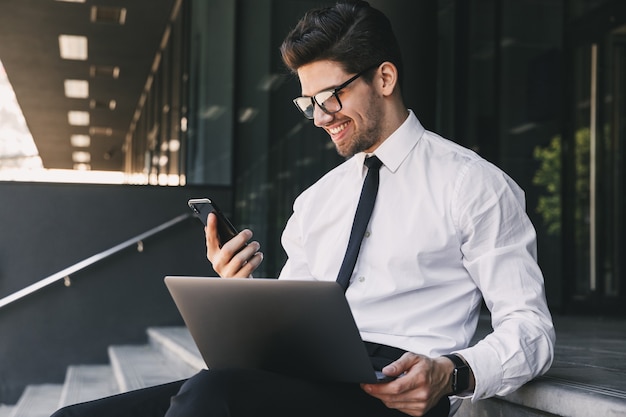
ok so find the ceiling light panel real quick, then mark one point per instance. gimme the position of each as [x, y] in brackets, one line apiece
[106, 14]
[73, 47]
[80, 141]
[82, 167]
[81, 157]
[78, 118]
[76, 88]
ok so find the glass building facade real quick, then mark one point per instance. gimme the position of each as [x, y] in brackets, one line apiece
[535, 86]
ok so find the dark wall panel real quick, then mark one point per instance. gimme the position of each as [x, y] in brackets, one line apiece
[45, 228]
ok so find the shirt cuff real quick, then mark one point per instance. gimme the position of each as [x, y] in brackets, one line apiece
[487, 370]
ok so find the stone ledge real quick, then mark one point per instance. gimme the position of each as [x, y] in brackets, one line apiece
[568, 398]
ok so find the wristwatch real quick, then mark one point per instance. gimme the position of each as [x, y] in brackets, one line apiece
[460, 375]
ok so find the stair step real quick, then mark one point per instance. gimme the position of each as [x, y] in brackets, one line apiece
[176, 341]
[86, 383]
[5, 410]
[38, 401]
[138, 367]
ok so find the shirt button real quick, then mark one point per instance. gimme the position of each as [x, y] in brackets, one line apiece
[361, 279]
[367, 233]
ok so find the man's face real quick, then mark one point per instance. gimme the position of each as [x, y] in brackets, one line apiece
[357, 126]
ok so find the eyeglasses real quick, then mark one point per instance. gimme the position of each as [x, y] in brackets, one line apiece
[327, 100]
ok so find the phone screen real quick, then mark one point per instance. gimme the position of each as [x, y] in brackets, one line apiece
[202, 207]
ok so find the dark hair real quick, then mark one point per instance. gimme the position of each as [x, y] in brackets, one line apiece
[351, 33]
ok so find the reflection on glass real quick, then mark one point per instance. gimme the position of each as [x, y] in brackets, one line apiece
[17, 147]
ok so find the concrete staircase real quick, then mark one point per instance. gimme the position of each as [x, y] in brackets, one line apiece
[588, 377]
[170, 355]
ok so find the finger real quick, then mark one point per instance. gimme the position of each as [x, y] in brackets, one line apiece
[413, 407]
[413, 392]
[252, 264]
[241, 255]
[410, 401]
[238, 268]
[234, 258]
[386, 391]
[408, 374]
[211, 236]
[238, 243]
[410, 406]
[237, 259]
[222, 253]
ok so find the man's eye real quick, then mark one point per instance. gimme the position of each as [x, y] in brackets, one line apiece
[324, 96]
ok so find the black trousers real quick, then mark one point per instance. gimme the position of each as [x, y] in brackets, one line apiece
[242, 392]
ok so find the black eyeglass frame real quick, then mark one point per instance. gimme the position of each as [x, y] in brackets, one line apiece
[333, 92]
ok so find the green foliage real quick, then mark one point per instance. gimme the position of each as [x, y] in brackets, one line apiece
[548, 176]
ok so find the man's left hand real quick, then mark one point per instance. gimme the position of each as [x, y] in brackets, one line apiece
[421, 383]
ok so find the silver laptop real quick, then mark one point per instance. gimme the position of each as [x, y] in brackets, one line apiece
[297, 328]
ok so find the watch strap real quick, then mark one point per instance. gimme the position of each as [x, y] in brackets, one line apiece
[460, 374]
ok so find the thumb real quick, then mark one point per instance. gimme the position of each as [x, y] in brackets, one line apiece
[212, 238]
[401, 365]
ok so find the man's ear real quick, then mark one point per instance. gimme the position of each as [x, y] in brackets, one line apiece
[388, 74]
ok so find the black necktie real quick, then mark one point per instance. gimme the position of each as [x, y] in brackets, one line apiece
[361, 219]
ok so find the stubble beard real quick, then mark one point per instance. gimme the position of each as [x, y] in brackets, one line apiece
[363, 141]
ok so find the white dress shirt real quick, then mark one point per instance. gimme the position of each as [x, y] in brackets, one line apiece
[448, 229]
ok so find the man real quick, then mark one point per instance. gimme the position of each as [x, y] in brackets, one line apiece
[447, 230]
[447, 226]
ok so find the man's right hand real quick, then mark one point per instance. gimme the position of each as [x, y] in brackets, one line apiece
[234, 259]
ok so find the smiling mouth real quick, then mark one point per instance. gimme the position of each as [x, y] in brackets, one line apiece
[338, 129]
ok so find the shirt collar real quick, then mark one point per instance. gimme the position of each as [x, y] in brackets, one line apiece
[396, 147]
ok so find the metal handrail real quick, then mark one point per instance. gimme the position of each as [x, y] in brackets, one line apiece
[65, 273]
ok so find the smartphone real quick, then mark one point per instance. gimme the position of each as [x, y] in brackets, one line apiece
[202, 207]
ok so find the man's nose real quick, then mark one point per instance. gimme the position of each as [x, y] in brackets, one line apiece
[320, 117]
